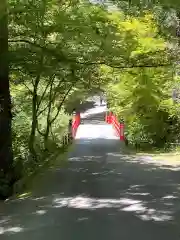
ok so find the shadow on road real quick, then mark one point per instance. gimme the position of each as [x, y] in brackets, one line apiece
[96, 118]
[103, 193]
[83, 107]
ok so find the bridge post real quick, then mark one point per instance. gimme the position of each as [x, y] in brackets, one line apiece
[70, 134]
[110, 117]
[75, 123]
[121, 125]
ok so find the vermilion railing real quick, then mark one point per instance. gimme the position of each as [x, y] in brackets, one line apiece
[118, 126]
[75, 124]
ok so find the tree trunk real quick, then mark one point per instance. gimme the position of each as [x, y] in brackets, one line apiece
[35, 109]
[6, 157]
[34, 119]
[48, 123]
[178, 27]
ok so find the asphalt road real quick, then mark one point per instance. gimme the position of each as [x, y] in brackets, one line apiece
[103, 193]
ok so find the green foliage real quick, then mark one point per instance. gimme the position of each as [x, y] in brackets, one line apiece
[148, 4]
[62, 52]
[55, 49]
[142, 96]
[22, 126]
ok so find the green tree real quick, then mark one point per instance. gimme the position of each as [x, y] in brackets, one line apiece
[138, 94]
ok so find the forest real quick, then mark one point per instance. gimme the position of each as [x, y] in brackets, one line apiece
[53, 54]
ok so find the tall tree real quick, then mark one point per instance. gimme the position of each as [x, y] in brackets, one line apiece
[6, 158]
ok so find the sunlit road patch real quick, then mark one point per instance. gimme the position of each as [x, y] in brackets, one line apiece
[91, 131]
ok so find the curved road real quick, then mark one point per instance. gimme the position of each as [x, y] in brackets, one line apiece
[103, 193]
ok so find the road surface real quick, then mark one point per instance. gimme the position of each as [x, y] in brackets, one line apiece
[102, 194]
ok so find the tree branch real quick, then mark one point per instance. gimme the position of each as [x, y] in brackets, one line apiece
[39, 113]
[59, 107]
[44, 92]
[53, 98]
[140, 66]
[31, 92]
[37, 127]
[62, 58]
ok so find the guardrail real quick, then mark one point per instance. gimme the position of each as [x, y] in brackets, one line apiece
[70, 134]
[118, 126]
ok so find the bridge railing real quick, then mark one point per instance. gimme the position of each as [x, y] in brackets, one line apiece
[118, 126]
[75, 124]
[70, 134]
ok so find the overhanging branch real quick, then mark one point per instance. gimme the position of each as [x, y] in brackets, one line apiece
[140, 66]
[62, 58]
